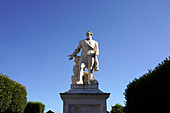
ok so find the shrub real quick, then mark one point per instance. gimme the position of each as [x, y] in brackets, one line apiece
[150, 92]
[5, 92]
[19, 100]
[34, 107]
[12, 96]
[117, 108]
[49, 111]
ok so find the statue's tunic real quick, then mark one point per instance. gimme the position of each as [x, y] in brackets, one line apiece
[89, 47]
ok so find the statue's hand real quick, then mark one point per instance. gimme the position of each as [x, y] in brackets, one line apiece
[71, 57]
[90, 52]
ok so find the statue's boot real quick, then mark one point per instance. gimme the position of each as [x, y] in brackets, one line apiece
[79, 82]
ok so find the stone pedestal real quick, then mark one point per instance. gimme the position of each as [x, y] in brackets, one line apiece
[83, 98]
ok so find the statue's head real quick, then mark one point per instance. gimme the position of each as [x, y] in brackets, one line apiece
[89, 35]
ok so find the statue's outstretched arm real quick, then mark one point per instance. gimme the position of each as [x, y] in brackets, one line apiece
[76, 51]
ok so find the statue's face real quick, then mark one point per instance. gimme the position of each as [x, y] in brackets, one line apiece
[89, 36]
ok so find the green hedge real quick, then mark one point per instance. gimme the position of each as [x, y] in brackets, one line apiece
[12, 96]
[150, 93]
[34, 107]
[117, 108]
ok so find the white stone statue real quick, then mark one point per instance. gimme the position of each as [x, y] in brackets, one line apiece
[88, 57]
[75, 77]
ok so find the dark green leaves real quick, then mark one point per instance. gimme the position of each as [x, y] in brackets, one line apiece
[34, 107]
[150, 93]
[12, 96]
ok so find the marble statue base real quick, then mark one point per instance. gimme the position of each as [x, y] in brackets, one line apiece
[83, 98]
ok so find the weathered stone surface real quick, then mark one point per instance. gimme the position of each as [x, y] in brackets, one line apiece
[83, 98]
[85, 108]
[88, 59]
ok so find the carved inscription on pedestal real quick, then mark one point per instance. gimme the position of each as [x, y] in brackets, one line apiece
[84, 109]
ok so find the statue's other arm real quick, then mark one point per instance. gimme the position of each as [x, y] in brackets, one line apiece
[96, 48]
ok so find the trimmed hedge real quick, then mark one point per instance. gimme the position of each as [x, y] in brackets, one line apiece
[150, 93]
[34, 107]
[12, 96]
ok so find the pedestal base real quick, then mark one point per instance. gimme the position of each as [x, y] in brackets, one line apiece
[84, 99]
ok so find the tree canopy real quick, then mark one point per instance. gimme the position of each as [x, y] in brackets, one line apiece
[150, 93]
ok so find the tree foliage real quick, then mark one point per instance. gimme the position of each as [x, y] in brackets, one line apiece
[12, 96]
[34, 107]
[49, 111]
[5, 92]
[150, 93]
[117, 108]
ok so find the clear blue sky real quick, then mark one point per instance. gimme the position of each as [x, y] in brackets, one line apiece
[37, 35]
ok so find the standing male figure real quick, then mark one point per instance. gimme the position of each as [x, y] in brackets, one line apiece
[88, 57]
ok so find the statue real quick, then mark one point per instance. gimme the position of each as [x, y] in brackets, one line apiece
[75, 78]
[88, 59]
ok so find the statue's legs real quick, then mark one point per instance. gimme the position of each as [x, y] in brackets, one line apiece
[90, 66]
[81, 69]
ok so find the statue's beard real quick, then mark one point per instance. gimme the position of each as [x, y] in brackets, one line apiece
[88, 38]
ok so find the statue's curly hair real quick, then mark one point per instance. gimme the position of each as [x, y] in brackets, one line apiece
[89, 32]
